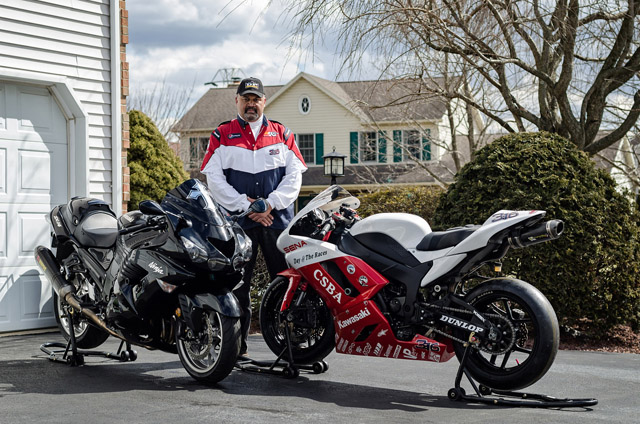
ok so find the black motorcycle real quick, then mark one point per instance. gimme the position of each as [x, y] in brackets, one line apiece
[161, 277]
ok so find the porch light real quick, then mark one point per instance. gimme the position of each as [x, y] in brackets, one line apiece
[334, 165]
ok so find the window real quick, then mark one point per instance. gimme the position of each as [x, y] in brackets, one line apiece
[368, 146]
[197, 149]
[412, 145]
[304, 105]
[307, 147]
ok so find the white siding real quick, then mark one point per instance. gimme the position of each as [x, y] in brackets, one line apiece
[68, 38]
[325, 116]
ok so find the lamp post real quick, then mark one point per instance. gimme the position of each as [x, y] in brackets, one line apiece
[334, 165]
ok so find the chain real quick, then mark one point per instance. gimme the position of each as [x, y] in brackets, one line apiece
[476, 344]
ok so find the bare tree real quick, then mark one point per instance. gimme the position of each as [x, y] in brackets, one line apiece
[164, 104]
[562, 66]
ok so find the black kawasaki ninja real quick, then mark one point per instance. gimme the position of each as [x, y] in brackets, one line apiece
[160, 277]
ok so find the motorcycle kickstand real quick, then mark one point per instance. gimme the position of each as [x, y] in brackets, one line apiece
[533, 400]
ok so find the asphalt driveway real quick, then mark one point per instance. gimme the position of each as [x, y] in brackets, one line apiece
[156, 389]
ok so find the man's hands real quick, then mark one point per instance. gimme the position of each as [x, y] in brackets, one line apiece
[264, 218]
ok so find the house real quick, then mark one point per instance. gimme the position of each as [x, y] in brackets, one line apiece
[383, 127]
[63, 132]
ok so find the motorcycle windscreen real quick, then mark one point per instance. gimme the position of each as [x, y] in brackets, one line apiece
[194, 201]
[329, 200]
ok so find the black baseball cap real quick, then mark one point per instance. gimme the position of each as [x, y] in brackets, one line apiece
[251, 86]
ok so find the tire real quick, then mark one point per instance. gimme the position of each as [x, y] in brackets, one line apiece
[211, 355]
[311, 342]
[535, 341]
[87, 335]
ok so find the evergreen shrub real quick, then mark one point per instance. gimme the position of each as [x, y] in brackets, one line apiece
[154, 167]
[591, 273]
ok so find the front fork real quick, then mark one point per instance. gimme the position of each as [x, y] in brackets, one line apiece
[192, 308]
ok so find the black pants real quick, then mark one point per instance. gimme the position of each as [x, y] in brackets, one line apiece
[264, 237]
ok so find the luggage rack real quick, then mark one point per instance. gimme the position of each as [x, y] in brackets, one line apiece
[484, 394]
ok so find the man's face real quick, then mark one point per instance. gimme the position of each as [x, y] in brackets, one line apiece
[250, 106]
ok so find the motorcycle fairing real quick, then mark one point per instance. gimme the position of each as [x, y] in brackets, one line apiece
[363, 330]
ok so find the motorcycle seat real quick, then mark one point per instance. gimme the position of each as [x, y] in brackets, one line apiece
[97, 230]
[438, 240]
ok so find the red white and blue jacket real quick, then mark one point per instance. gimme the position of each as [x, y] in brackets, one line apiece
[238, 166]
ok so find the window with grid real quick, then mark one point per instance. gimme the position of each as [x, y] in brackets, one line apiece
[197, 149]
[368, 146]
[412, 145]
[307, 146]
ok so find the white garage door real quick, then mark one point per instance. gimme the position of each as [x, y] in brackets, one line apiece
[33, 178]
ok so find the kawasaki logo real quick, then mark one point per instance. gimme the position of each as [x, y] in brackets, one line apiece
[461, 324]
[360, 315]
[157, 268]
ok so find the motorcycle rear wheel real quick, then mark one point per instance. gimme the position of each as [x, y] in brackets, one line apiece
[87, 336]
[535, 341]
[211, 355]
[310, 343]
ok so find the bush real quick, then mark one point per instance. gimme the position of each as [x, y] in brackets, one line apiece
[154, 168]
[592, 271]
[417, 200]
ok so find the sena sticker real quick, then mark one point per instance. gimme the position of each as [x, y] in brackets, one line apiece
[351, 269]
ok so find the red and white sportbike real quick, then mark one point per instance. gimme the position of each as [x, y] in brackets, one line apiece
[387, 286]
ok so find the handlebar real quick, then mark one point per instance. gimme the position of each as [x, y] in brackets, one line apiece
[325, 229]
[153, 223]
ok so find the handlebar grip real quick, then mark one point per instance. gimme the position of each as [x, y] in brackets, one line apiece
[325, 230]
[132, 229]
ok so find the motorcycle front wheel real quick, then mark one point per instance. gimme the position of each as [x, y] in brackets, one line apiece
[312, 335]
[529, 335]
[87, 336]
[210, 355]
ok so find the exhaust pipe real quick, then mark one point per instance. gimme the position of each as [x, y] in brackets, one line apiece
[64, 289]
[540, 233]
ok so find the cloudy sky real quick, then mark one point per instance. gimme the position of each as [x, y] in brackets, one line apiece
[184, 43]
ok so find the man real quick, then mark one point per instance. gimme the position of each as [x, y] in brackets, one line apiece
[247, 158]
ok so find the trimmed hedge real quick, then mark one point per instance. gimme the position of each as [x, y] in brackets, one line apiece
[417, 200]
[154, 168]
[593, 270]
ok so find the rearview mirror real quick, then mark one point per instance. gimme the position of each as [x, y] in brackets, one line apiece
[258, 206]
[149, 207]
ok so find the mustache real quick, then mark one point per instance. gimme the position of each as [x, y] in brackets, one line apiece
[251, 109]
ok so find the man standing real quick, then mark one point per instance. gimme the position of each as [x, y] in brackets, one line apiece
[247, 158]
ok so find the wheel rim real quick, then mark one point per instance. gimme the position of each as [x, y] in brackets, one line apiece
[80, 327]
[202, 352]
[524, 341]
[303, 337]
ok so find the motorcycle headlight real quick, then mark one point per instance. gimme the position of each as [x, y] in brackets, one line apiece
[197, 253]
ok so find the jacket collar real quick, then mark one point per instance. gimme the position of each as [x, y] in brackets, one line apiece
[243, 123]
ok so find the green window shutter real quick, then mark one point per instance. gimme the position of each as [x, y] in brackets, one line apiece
[319, 149]
[353, 147]
[382, 148]
[426, 146]
[397, 146]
